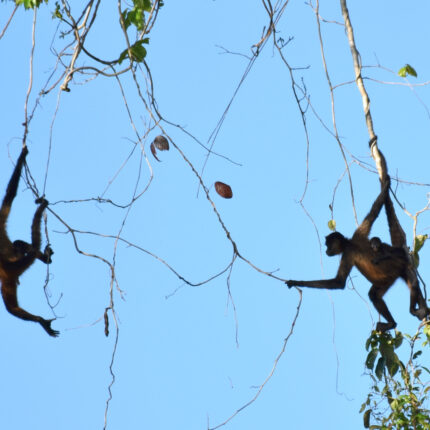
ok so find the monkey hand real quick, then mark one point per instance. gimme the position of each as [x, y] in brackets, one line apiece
[47, 253]
[46, 324]
[421, 313]
[290, 283]
[42, 202]
[24, 151]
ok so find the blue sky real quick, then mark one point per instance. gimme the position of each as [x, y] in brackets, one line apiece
[177, 363]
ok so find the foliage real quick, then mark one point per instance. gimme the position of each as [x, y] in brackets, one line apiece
[136, 15]
[30, 4]
[400, 385]
[407, 70]
[137, 52]
[418, 244]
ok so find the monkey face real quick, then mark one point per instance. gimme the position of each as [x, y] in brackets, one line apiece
[333, 249]
[375, 243]
[334, 243]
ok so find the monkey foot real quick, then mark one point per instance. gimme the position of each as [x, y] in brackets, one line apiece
[421, 313]
[46, 324]
[381, 326]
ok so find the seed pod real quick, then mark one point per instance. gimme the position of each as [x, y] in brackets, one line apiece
[223, 190]
[161, 143]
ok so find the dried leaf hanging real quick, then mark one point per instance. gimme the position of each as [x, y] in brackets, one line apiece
[223, 190]
[161, 143]
[154, 151]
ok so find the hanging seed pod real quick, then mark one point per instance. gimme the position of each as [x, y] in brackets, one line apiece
[223, 190]
[161, 143]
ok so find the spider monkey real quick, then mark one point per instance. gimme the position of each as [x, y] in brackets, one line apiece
[383, 251]
[358, 252]
[16, 257]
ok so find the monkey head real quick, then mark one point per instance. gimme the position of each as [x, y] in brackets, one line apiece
[21, 248]
[375, 243]
[335, 243]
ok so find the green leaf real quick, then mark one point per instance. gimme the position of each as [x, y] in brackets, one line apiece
[366, 418]
[379, 369]
[393, 368]
[386, 348]
[371, 357]
[145, 5]
[30, 4]
[394, 404]
[138, 52]
[426, 331]
[407, 70]
[398, 340]
[136, 16]
[419, 242]
[332, 225]
[133, 17]
[426, 369]
[57, 12]
[415, 259]
[417, 354]
[368, 342]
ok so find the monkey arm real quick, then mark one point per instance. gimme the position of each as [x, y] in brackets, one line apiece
[398, 236]
[336, 283]
[329, 284]
[365, 227]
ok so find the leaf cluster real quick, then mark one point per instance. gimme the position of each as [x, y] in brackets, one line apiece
[136, 15]
[418, 244]
[399, 385]
[30, 4]
[407, 70]
[137, 51]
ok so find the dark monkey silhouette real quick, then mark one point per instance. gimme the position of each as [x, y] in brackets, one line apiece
[16, 257]
[380, 263]
[383, 251]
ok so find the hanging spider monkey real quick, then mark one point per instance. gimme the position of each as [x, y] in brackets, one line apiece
[358, 252]
[16, 257]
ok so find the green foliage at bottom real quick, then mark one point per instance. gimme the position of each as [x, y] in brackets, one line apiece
[398, 398]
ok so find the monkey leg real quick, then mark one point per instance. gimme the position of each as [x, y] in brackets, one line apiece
[375, 294]
[418, 306]
[12, 186]
[12, 306]
[27, 316]
[398, 237]
[46, 324]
